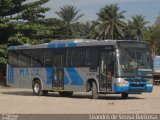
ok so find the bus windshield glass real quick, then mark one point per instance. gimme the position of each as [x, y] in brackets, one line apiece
[134, 62]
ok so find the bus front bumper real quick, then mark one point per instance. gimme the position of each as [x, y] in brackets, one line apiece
[132, 90]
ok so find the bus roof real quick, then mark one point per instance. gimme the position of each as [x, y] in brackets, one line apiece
[69, 43]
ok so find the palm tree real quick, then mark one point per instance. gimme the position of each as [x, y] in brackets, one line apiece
[69, 14]
[110, 23]
[89, 29]
[154, 33]
[138, 26]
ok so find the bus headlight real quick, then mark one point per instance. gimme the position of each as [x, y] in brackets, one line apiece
[150, 83]
[122, 83]
[125, 83]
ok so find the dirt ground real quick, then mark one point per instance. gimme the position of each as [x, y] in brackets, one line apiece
[17, 101]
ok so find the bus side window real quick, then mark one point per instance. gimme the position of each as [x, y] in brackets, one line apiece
[24, 59]
[78, 57]
[92, 56]
[37, 58]
[58, 60]
[13, 58]
[68, 57]
[48, 58]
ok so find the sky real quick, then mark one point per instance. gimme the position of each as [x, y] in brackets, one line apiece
[150, 9]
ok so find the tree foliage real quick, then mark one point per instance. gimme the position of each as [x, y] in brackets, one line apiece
[111, 24]
[33, 11]
[69, 14]
[137, 26]
[23, 22]
[10, 7]
[154, 40]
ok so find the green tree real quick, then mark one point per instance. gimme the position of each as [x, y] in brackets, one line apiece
[158, 20]
[33, 11]
[10, 28]
[69, 14]
[3, 55]
[138, 26]
[89, 29]
[56, 26]
[7, 28]
[14, 32]
[10, 7]
[154, 40]
[111, 24]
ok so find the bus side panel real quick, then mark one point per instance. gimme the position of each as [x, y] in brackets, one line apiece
[47, 74]
[75, 78]
[23, 77]
[11, 81]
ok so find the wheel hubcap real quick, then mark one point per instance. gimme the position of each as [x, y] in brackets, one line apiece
[36, 88]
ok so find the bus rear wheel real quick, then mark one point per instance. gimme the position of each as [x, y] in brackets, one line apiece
[37, 88]
[124, 95]
[94, 91]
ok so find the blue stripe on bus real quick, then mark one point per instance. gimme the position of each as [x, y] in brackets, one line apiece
[49, 75]
[72, 44]
[61, 45]
[51, 45]
[10, 74]
[66, 81]
[75, 77]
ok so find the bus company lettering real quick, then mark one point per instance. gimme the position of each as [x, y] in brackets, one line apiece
[25, 72]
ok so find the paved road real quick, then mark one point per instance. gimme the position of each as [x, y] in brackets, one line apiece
[14, 100]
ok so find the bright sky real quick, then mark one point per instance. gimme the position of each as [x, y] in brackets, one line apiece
[148, 8]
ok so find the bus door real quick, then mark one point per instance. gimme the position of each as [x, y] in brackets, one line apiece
[106, 68]
[58, 71]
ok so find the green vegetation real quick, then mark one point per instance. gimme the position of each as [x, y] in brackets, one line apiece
[69, 14]
[24, 22]
[111, 24]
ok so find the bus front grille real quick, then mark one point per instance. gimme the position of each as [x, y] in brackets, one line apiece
[137, 85]
[136, 90]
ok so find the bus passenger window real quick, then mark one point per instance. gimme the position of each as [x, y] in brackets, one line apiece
[78, 57]
[92, 56]
[13, 58]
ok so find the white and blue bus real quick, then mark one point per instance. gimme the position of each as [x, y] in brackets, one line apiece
[67, 66]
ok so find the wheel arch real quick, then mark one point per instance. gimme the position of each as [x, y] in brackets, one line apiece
[89, 84]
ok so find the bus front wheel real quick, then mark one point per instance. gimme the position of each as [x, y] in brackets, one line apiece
[94, 91]
[37, 88]
[124, 95]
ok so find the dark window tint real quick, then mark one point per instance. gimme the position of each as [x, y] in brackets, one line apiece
[59, 58]
[24, 58]
[69, 56]
[37, 58]
[13, 58]
[78, 57]
[48, 59]
[92, 55]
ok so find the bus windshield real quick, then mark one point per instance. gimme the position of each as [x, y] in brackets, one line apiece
[132, 60]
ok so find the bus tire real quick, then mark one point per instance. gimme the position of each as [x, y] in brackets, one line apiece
[66, 93]
[44, 92]
[37, 88]
[124, 95]
[94, 91]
